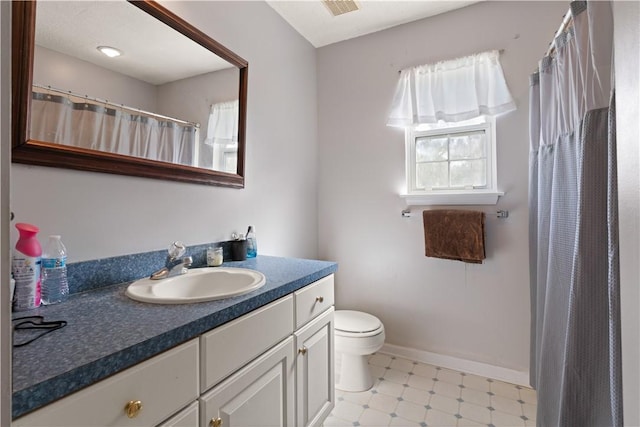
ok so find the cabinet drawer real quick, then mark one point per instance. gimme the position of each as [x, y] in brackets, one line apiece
[163, 384]
[231, 346]
[313, 300]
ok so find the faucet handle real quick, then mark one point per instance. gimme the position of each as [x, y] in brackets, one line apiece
[176, 249]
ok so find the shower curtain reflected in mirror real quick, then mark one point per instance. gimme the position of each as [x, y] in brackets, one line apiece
[86, 124]
[575, 346]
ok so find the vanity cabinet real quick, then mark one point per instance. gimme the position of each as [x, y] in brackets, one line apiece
[150, 392]
[273, 366]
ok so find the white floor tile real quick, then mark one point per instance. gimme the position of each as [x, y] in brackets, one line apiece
[390, 388]
[332, 421]
[411, 411]
[396, 376]
[377, 371]
[415, 395]
[383, 402]
[424, 370]
[374, 418]
[357, 398]
[465, 422]
[403, 365]
[444, 404]
[422, 383]
[347, 411]
[509, 406]
[449, 376]
[476, 382]
[390, 403]
[528, 395]
[500, 419]
[476, 413]
[451, 390]
[529, 410]
[476, 397]
[402, 422]
[505, 390]
[440, 419]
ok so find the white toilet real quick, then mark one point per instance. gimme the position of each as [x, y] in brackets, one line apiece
[357, 335]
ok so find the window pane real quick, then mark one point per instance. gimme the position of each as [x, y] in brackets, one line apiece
[429, 175]
[467, 146]
[431, 149]
[468, 173]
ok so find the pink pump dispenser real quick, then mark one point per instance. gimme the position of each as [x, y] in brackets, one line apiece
[25, 267]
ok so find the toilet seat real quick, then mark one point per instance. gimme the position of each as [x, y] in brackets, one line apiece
[356, 324]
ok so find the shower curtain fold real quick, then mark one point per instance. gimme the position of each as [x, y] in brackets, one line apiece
[86, 124]
[575, 329]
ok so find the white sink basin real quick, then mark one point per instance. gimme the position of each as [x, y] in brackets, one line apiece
[197, 285]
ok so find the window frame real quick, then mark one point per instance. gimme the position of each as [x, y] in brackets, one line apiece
[447, 196]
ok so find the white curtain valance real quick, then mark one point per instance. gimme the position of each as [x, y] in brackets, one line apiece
[452, 91]
[222, 127]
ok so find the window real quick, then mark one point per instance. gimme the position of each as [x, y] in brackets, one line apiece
[452, 163]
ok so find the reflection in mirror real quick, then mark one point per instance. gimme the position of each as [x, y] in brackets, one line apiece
[166, 100]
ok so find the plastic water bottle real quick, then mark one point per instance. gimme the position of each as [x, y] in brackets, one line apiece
[252, 244]
[55, 287]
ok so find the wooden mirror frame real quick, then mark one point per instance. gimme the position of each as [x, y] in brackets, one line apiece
[28, 151]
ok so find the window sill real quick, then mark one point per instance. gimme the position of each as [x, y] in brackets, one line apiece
[453, 198]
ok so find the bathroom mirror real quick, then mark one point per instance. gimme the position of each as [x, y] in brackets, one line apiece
[171, 106]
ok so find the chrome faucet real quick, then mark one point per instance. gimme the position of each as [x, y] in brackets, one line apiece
[175, 265]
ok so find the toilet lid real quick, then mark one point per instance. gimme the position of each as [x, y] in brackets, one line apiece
[355, 321]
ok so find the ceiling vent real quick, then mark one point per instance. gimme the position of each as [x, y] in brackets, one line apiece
[339, 7]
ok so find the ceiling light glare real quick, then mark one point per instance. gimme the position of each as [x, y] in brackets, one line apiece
[111, 52]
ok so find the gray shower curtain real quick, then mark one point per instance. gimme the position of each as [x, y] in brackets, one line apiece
[575, 337]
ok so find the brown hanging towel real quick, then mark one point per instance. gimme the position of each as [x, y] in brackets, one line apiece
[454, 234]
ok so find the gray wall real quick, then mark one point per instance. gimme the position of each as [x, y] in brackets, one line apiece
[101, 215]
[475, 312]
[627, 66]
[193, 97]
[68, 73]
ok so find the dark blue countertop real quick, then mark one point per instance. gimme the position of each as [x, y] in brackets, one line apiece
[108, 332]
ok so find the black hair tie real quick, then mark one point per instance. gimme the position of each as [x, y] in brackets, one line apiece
[35, 322]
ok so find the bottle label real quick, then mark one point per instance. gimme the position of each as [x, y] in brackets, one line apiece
[54, 262]
[26, 272]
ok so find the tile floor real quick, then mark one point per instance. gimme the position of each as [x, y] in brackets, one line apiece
[408, 393]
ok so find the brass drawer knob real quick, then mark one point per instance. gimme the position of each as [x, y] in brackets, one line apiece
[302, 351]
[215, 422]
[132, 408]
[319, 299]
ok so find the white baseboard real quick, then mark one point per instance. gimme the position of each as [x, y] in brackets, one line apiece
[468, 366]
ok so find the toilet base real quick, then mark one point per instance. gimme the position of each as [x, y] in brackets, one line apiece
[354, 373]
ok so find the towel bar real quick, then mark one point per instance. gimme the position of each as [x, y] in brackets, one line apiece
[501, 214]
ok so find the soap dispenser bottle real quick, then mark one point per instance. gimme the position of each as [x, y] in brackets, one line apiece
[252, 245]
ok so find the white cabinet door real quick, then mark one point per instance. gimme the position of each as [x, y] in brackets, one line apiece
[315, 394]
[259, 395]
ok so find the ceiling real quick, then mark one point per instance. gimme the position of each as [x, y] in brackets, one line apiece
[312, 19]
[143, 40]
